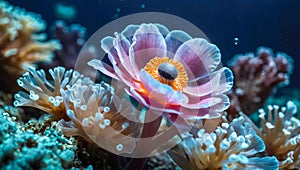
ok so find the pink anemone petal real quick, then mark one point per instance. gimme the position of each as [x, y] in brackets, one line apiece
[153, 105]
[161, 91]
[122, 45]
[219, 82]
[125, 77]
[198, 56]
[147, 43]
[174, 40]
[162, 29]
[216, 106]
[108, 47]
[204, 103]
[103, 68]
[116, 49]
[203, 113]
[223, 105]
[129, 31]
[195, 99]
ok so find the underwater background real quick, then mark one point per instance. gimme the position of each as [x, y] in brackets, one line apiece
[269, 23]
[258, 101]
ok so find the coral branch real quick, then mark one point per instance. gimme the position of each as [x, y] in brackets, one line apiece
[21, 43]
[256, 77]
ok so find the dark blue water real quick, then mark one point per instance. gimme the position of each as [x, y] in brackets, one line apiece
[270, 23]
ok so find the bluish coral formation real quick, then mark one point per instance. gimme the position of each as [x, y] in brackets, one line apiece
[25, 149]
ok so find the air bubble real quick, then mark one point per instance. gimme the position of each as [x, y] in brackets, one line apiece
[236, 41]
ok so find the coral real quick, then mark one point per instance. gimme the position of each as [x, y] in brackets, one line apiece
[162, 161]
[231, 146]
[7, 125]
[5, 98]
[283, 96]
[21, 148]
[280, 131]
[90, 155]
[72, 38]
[256, 77]
[152, 62]
[22, 44]
[45, 94]
[99, 116]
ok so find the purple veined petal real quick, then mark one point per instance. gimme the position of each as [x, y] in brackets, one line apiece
[205, 89]
[223, 105]
[161, 91]
[153, 106]
[108, 47]
[125, 77]
[147, 43]
[129, 31]
[218, 103]
[204, 103]
[219, 82]
[198, 57]
[226, 81]
[122, 45]
[195, 114]
[162, 29]
[208, 108]
[174, 39]
[103, 68]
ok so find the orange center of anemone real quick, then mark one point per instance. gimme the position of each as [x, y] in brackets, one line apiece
[168, 71]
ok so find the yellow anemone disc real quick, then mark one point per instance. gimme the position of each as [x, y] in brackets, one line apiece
[178, 83]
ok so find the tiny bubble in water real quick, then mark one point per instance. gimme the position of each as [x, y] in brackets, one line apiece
[143, 6]
[236, 41]
[118, 9]
[116, 16]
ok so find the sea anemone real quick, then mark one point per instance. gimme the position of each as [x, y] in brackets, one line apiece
[280, 132]
[99, 116]
[45, 94]
[21, 43]
[231, 146]
[168, 71]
